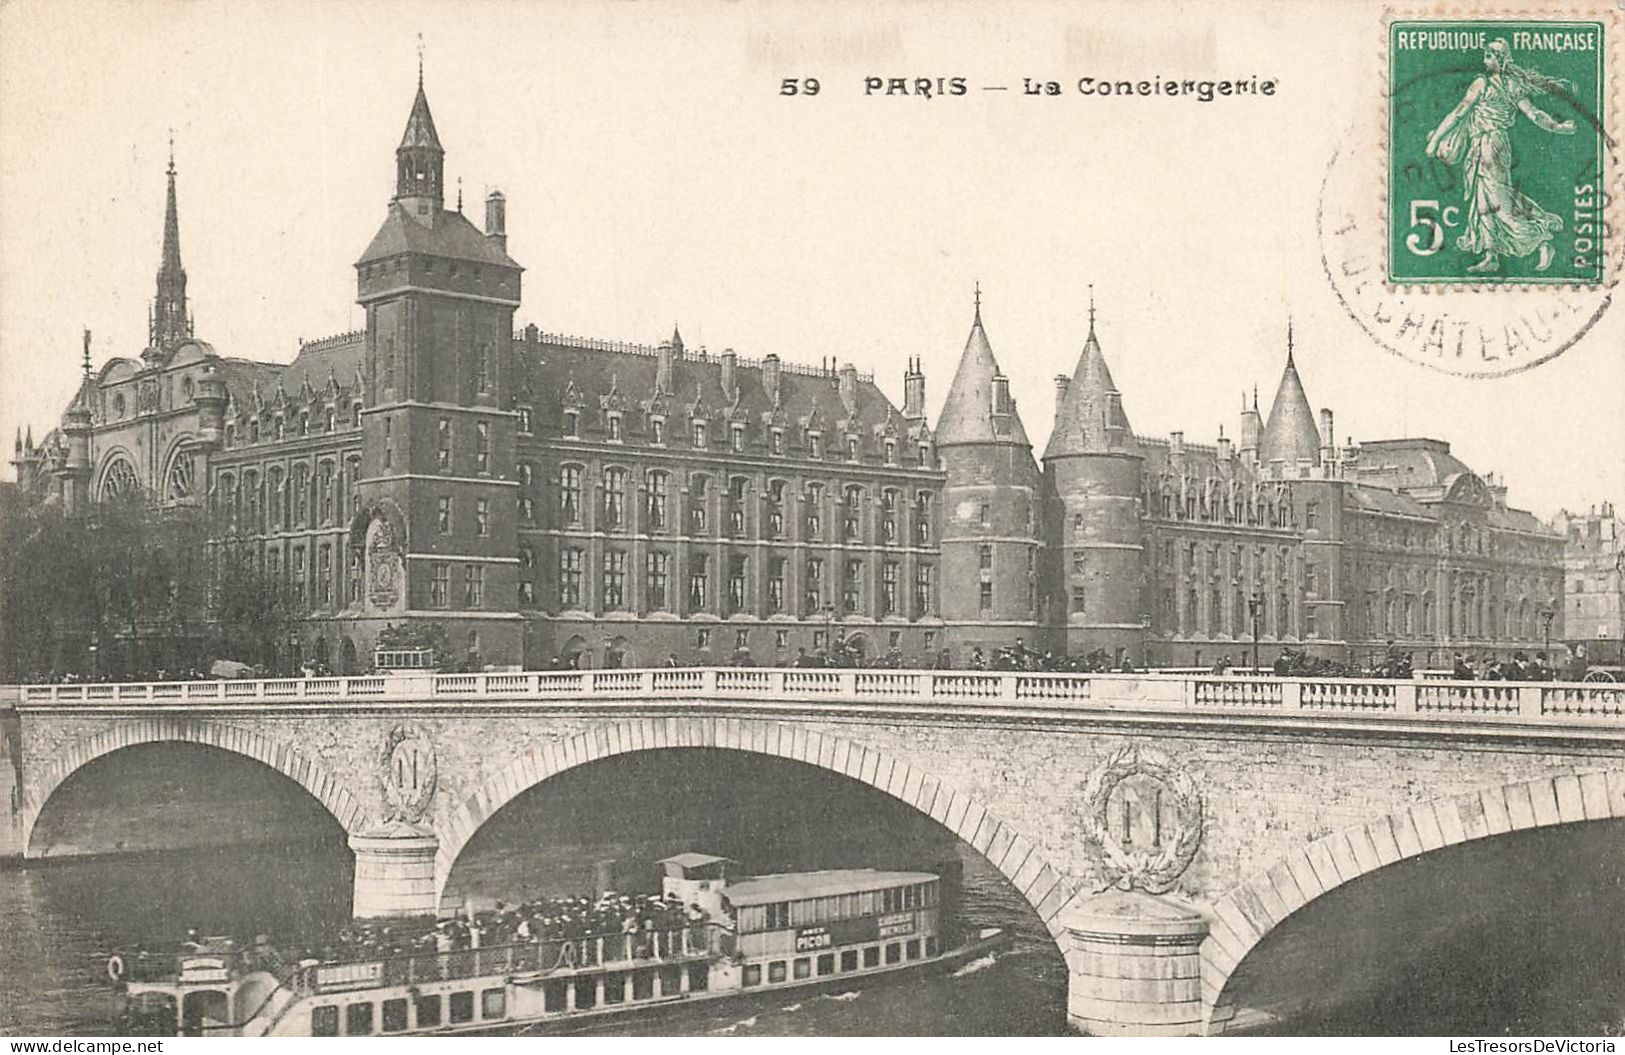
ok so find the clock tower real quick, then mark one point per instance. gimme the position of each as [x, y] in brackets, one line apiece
[438, 490]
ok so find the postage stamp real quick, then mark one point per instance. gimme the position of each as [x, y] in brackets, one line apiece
[1496, 152]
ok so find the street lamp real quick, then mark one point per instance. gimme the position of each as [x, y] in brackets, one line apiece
[1546, 615]
[1255, 605]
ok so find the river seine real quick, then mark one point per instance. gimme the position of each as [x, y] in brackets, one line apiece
[1477, 941]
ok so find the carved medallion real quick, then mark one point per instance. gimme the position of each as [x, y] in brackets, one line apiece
[408, 772]
[1143, 820]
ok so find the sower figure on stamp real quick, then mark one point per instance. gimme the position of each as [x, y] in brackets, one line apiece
[1476, 134]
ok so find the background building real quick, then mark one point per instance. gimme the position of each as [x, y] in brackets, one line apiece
[550, 498]
[1594, 583]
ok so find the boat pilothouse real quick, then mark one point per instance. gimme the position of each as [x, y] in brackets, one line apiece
[708, 935]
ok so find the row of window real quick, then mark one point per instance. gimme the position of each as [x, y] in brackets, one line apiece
[701, 436]
[277, 427]
[777, 915]
[431, 1012]
[1467, 617]
[737, 505]
[658, 587]
[296, 498]
[802, 968]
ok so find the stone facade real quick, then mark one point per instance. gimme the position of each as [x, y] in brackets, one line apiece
[571, 500]
[1594, 584]
[1275, 815]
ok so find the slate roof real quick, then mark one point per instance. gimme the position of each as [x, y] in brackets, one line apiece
[967, 414]
[1091, 418]
[452, 236]
[1290, 434]
[1414, 462]
[420, 130]
[592, 378]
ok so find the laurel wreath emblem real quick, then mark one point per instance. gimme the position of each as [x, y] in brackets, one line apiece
[408, 799]
[1155, 872]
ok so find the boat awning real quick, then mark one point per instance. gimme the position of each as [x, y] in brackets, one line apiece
[799, 886]
[692, 860]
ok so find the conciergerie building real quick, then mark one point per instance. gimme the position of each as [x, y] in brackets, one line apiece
[544, 496]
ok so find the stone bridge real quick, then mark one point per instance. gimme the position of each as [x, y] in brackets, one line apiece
[1159, 825]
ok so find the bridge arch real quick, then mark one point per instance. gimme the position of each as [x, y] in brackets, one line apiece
[323, 785]
[1045, 887]
[1247, 914]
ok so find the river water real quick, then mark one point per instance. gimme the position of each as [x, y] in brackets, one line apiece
[1501, 967]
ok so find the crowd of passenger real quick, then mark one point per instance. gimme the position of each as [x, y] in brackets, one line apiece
[638, 917]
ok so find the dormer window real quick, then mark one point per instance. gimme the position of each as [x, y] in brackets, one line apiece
[657, 431]
[279, 428]
[304, 424]
[736, 439]
[815, 445]
[231, 435]
[925, 454]
[778, 441]
[699, 434]
[614, 427]
[355, 412]
[572, 423]
[891, 453]
[254, 431]
[852, 448]
[524, 419]
[332, 419]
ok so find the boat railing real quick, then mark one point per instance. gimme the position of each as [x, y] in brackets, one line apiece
[191, 966]
[541, 956]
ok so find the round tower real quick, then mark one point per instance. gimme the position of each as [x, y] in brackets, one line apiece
[991, 543]
[1092, 464]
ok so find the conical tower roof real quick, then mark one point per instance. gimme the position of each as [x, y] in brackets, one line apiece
[967, 415]
[1290, 435]
[420, 131]
[1091, 418]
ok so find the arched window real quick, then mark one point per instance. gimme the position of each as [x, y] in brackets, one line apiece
[656, 512]
[614, 497]
[301, 495]
[178, 481]
[252, 505]
[697, 522]
[738, 521]
[276, 488]
[119, 480]
[852, 513]
[570, 493]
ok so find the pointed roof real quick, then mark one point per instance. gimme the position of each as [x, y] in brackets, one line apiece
[452, 236]
[420, 132]
[1290, 435]
[1091, 419]
[171, 260]
[967, 414]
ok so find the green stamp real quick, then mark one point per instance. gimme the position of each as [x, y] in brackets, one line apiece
[1495, 152]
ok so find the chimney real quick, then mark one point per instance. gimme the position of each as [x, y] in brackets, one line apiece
[730, 380]
[1226, 450]
[1062, 383]
[1328, 444]
[848, 387]
[770, 377]
[1176, 443]
[496, 219]
[533, 334]
[1252, 427]
[914, 392]
[1001, 394]
[665, 366]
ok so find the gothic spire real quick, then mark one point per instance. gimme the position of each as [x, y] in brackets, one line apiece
[1290, 435]
[979, 408]
[170, 322]
[1090, 419]
[420, 161]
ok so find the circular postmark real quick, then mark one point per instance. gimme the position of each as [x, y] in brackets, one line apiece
[1398, 201]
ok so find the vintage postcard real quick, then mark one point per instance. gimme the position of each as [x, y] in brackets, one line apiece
[759, 519]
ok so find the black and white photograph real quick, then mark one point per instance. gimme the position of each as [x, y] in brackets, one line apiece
[702, 519]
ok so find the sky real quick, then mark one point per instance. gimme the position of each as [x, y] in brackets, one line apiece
[656, 176]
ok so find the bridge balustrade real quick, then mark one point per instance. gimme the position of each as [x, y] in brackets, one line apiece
[1240, 694]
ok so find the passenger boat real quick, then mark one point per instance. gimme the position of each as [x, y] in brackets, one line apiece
[756, 934]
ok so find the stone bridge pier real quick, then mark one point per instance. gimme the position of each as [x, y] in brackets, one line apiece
[1159, 827]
